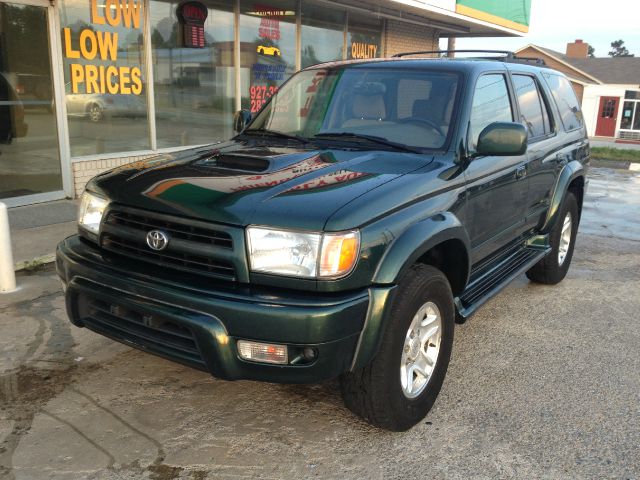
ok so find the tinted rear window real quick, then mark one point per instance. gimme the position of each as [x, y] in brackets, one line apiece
[566, 100]
[533, 113]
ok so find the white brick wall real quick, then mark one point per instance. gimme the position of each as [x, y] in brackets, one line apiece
[83, 171]
[407, 37]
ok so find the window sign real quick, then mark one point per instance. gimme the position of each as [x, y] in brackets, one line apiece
[364, 37]
[363, 50]
[271, 71]
[192, 16]
[102, 47]
[105, 95]
[267, 46]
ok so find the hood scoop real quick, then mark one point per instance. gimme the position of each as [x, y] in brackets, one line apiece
[238, 162]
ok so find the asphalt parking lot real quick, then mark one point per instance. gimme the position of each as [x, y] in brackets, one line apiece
[544, 383]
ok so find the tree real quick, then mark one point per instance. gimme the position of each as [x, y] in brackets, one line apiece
[592, 52]
[309, 56]
[619, 50]
[157, 40]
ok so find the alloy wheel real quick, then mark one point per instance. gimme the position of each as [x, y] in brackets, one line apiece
[420, 350]
[565, 238]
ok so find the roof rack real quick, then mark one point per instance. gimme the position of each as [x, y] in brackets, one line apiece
[506, 55]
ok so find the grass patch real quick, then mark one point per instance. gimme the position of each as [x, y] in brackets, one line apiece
[608, 153]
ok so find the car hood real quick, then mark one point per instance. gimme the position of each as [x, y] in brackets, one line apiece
[244, 183]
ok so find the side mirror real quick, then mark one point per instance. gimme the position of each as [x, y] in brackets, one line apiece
[241, 119]
[502, 139]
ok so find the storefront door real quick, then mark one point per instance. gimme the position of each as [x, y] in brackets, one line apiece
[607, 118]
[30, 167]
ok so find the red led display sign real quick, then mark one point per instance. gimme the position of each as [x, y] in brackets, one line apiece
[192, 16]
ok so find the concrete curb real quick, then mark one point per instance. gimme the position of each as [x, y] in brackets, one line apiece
[617, 164]
[36, 262]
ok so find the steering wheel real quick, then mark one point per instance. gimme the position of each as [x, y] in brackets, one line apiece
[424, 121]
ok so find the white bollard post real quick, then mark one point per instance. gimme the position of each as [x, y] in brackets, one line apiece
[7, 272]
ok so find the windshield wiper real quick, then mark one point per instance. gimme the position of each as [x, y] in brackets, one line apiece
[274, 133]
[370, 138]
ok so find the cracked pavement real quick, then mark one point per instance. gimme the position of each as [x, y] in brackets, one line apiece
[544, 383]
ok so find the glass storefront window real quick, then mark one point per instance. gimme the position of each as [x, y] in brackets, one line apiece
[364, 37]
[194, 70]
[103, 57]
[194, 88]
[322, 34]
[627, 115]
[29, 157]
[267, 48]
[636, 121]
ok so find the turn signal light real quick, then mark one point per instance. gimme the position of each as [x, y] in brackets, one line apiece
[339, 254]
[262, 352]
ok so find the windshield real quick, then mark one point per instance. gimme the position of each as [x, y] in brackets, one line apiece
[407, 107]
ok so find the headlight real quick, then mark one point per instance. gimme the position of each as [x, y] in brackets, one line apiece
[90, 214]
[299, 254]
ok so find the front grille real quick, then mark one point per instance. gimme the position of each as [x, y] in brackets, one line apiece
[193, 245]
[146, 222]
[142, 329]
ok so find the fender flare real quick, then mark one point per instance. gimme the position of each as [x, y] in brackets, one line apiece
[403, 252]
[569, 173]
[414, 242]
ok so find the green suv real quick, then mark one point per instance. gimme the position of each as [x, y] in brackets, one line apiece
[343, 231]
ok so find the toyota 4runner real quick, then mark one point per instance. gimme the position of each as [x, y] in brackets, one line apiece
[367, 207]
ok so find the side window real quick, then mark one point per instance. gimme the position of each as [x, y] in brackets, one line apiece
[490, 104]
[566, 100]
[533, 111]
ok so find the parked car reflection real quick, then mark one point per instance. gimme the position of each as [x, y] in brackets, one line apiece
[97, 106]
[12, 123]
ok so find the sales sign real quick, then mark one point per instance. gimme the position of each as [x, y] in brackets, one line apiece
[102, 46]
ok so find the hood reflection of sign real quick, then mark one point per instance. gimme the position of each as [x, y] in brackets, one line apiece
[192, 16]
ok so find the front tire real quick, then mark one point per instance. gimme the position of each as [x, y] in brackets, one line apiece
[400, 385]
[554, 267]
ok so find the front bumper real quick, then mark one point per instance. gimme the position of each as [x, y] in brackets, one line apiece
[144, 306]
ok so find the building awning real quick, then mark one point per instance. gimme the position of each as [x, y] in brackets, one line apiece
[455, 18]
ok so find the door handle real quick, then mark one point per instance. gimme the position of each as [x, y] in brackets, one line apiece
[521, 171]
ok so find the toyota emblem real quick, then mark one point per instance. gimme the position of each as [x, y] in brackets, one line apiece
[157, 240]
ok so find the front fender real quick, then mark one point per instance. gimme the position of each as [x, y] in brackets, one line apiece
[403, 252]
[570, 172]
[414, 242]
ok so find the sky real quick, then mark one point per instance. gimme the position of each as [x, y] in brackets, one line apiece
[554, 23]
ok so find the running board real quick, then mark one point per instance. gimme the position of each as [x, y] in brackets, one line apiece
[488, 284]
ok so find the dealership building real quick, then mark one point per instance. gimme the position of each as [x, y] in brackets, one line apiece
[88, 85]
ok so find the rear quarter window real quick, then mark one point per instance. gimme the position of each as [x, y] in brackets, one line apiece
[566, 100]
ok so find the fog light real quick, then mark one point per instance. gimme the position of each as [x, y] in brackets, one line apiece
[262, 352]
[309, 353]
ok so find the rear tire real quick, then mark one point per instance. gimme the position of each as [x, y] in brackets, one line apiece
[554, 267]
[418, 338]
